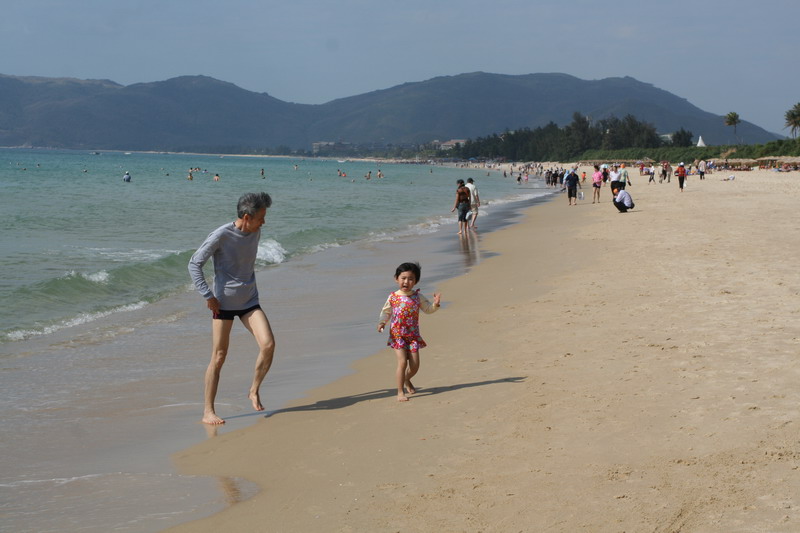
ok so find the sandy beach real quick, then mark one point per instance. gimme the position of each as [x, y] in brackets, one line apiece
[602, 372]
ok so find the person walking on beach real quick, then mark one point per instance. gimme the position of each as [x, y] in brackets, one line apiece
[597, 183]
[572, 182]
[474, 200]
[462, 204]
[614, 176]
[402, 308]
[681, 173]
[233, 247]
[624, 177]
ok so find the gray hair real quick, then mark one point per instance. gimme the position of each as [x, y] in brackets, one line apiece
[252, 202]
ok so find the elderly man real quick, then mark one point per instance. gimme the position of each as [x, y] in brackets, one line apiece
[233, 248]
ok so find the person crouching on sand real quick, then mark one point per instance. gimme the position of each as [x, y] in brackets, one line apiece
[402, 307]
[623, 200]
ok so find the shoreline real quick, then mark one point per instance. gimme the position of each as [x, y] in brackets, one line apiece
[101, 440]
[638, 371]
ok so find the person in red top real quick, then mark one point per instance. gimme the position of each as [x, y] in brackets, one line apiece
[681, 173]
[462, 204]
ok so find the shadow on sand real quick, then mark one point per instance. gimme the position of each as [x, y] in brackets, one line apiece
[347, 401]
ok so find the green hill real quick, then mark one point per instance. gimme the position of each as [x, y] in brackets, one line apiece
[202, 113]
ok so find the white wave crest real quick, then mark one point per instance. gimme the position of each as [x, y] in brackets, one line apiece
[431, 225]
[131, 254]
[97, 277]
[324, 246]
[83, 318]
[271, 251]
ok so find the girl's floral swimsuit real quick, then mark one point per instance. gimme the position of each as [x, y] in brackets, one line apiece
[404, 327]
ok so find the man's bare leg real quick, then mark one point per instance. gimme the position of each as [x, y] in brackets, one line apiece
[220, 340]
[258, 324]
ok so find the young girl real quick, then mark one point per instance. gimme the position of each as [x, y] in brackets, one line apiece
[403, 307]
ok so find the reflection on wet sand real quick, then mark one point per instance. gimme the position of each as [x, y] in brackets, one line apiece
[470, 248]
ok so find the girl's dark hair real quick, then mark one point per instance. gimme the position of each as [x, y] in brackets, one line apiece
[408, 267]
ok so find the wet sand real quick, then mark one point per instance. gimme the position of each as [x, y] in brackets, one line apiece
[597, 371]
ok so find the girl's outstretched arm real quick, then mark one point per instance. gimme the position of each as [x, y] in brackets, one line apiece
[427, 306]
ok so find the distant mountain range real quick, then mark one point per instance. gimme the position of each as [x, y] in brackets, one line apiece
[201, 113]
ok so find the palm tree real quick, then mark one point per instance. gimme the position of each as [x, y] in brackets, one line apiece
[793, 119]
[732, 119]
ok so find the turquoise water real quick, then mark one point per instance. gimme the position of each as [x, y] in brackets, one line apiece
[78, 243]
[104, 344]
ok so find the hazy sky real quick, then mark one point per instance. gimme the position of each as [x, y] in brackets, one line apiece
[721, 55]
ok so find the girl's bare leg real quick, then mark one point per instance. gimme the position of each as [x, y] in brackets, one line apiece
[400, 373]
[412, 367]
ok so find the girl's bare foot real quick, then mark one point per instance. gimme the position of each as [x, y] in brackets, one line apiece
[213, 419]
[402, 398]
[256, 399]
[410, 387]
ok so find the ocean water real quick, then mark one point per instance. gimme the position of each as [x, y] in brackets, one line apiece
[103, 342]
[79, 244]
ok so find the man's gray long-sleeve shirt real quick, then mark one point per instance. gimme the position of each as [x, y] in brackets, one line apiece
[234, 254]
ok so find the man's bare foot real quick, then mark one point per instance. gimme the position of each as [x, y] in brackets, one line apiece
[410, 388]
[256, 399]
[402, 398]
[213, 419]
[459, 233]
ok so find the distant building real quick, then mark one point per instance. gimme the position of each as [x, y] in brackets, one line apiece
[449, 145]
[329, 147]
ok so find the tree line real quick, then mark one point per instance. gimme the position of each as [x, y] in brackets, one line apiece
[587, 139]
[554, 143]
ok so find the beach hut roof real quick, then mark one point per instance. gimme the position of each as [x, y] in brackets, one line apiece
[781, 158]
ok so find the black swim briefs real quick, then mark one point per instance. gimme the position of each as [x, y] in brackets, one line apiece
[222, 314]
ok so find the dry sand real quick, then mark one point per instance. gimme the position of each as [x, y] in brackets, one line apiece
[605, 372]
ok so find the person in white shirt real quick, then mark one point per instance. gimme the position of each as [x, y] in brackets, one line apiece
[474, 200]
[623, 200]
[614, 177]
